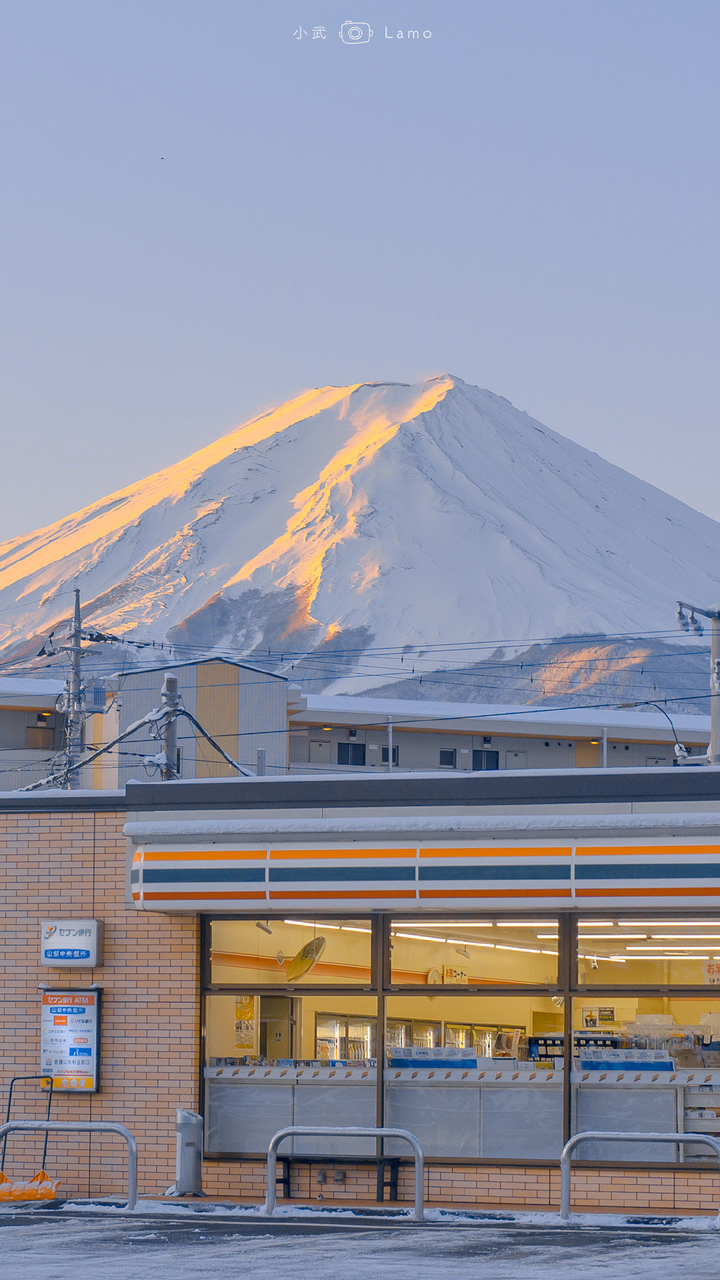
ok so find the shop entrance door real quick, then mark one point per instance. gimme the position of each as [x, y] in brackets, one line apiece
[277, 1024]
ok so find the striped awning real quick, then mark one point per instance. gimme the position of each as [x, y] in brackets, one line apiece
[221, 877]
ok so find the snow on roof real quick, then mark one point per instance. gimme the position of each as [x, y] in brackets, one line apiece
[195, 662]
[16, 687]
[406, 712]
[231, 828]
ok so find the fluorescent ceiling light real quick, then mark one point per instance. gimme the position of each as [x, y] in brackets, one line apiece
[657, 956]
[446, 924]
[535, 951]
[714, 937]
[675, 924]
[313, 924]
[429, 937]
[663, 946]
[595, 956]
[419, 937]
[467, 942]
[596, 924]
[615, 937]
[353, 928]
[525, 924]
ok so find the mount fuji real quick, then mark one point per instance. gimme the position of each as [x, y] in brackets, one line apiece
[352, 519]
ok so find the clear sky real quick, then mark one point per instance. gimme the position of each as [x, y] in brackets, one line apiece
[203, 214]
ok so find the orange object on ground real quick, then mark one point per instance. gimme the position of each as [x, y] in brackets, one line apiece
[41, 1187]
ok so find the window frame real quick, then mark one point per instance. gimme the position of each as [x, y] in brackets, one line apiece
[381, 986]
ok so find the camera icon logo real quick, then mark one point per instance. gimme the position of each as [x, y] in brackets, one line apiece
[356, 32]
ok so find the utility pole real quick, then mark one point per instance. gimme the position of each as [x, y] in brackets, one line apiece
[170, 702]
[713, 753]
[390, 744]
[74, 696]
[71, 703]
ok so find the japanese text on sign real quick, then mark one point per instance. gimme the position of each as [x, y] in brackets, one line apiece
[69, 1039]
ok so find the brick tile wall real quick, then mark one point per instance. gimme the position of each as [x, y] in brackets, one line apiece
[469, 1186]
[74, 865]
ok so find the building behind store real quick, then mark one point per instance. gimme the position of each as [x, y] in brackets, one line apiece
[265, 722]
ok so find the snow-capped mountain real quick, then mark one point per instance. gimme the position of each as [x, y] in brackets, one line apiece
[369, 515]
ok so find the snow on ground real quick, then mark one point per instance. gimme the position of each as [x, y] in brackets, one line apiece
[171, 1244]
[137, 1250]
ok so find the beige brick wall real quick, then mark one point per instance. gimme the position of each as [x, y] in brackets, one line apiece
[604, 1189]
[74, 865]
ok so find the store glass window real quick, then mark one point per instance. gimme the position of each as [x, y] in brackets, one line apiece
[448, 758]
[297, 951]
[647, 1062]
[276, 1060]
[643, 950]
[462, 951]
[351, 753]
[497, 1027]
[244, 1027]
[463, 1074]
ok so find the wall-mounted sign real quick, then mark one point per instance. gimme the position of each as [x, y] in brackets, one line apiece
[597, 1016]
[451, 973]
[70, 1039]
[66, 944]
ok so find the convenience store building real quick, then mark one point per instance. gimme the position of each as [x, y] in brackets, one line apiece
[525, 955]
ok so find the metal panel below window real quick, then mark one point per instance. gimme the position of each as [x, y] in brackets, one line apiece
[521, 1123]
[445, 1120]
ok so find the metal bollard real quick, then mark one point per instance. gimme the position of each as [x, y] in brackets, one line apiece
[188, 1155]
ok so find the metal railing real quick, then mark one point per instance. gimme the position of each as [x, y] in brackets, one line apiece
[19, 1080]
[349, 1131]
[598, 1135]
[83, 1126]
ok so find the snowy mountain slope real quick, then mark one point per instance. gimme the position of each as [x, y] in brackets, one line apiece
[375, 514]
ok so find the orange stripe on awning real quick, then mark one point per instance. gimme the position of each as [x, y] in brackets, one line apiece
[207, 855]
[699, 891]
[657, 850]
[231, 896]
[388, 895]
[495, 893]
[301, 854]
[551, 852]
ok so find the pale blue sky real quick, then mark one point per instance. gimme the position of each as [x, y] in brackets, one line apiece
[529, 199]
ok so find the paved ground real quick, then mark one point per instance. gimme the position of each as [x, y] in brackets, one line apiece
[64, 1247]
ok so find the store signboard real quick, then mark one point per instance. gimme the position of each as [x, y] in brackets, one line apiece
[75, 944]
[70, 1039]
[711, 972]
